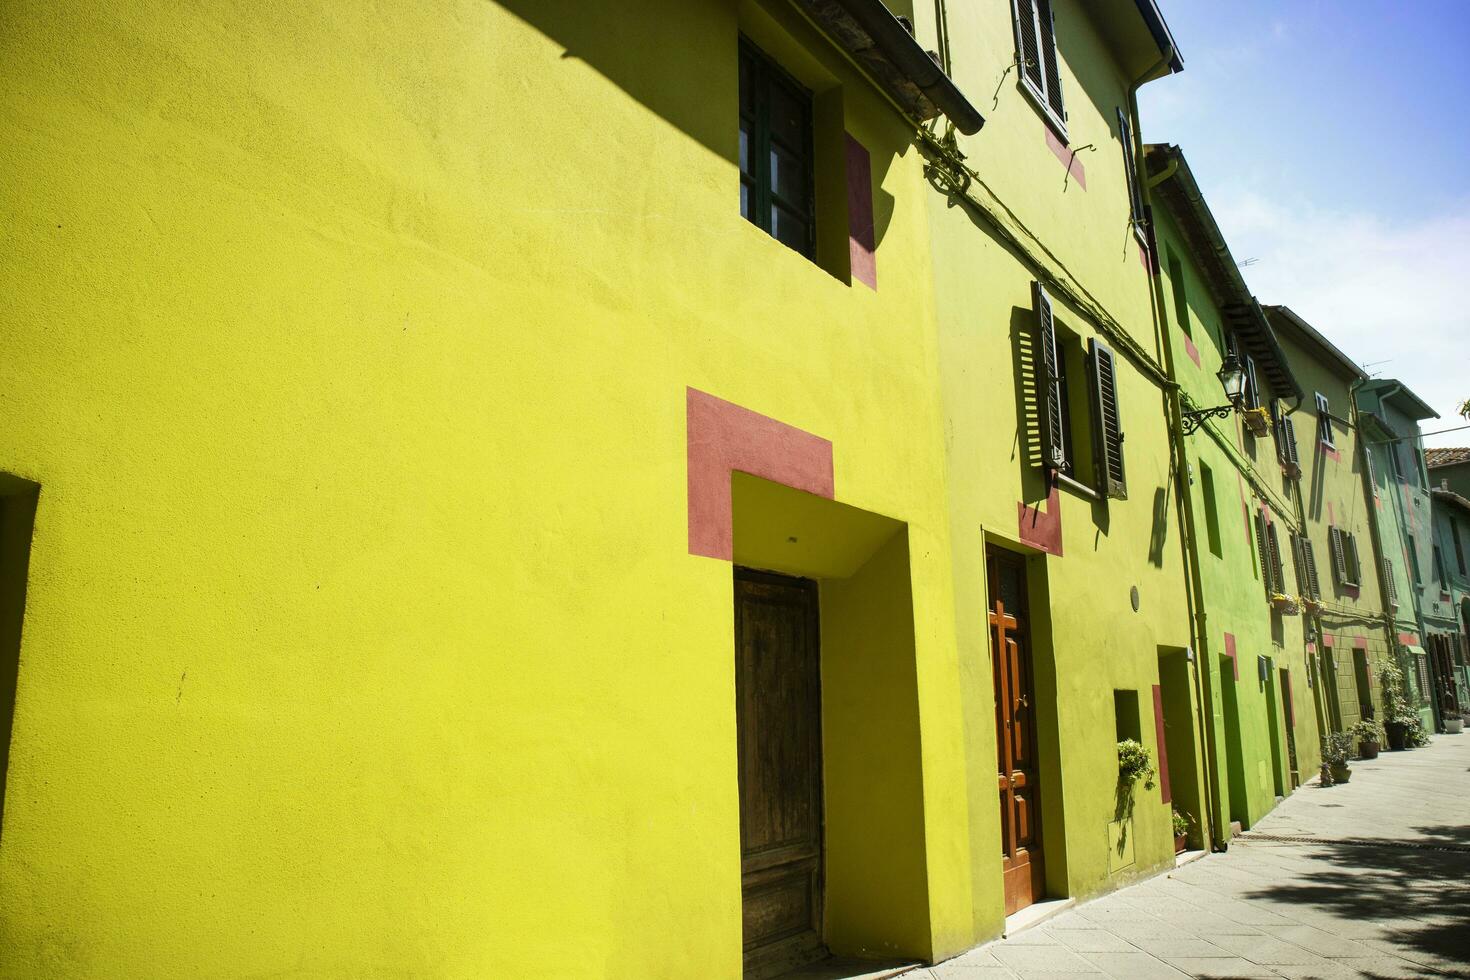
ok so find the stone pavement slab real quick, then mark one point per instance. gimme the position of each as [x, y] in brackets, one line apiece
[1370, 879]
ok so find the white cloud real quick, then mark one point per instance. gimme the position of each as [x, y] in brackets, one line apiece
[1382, 291]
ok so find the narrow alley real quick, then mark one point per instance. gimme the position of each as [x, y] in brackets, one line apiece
[1366, 879]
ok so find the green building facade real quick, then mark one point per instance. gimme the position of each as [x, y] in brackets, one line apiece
[1338, 578]
[1239, 510]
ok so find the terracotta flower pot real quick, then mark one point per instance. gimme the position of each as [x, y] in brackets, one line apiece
[1341, 773]
[1368, 750]
[1398, 735]
[1181, 843]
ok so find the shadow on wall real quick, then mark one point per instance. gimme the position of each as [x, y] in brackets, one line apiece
[17, 519]
[1422, 892]
[679, 60]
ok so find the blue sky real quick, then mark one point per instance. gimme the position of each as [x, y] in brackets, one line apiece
[1331, 141]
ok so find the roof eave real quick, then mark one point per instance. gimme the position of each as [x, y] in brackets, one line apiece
[884, 48]
[1180, 194]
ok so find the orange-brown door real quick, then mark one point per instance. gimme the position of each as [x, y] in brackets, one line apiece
[1015, 732]
[778, 711]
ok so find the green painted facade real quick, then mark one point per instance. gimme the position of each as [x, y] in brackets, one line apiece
[1348, 637]
[1264, 723]
[1389, 414]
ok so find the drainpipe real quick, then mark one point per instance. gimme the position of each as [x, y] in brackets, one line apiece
[1390, 635]
[1194, 586]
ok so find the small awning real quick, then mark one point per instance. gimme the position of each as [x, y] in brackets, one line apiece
[1415, 650]
[868, 31]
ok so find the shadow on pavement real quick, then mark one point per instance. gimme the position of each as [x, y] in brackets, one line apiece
[1420, 893]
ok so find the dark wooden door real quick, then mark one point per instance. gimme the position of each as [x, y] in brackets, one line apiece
[779, 719]
[1015, 732]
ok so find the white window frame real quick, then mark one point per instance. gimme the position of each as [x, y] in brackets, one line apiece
[1324, 422]
[1038, 95]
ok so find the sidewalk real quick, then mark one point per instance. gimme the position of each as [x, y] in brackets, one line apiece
[1368, 879]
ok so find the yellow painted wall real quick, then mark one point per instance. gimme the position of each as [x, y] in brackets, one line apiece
[349, 347]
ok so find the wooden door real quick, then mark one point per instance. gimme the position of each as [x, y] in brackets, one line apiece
[779, 721]
[1015, 732]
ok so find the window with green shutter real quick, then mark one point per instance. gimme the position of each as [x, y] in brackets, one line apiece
[1036, 54]
[1080, 426]
[1130, 172]
[776, 151]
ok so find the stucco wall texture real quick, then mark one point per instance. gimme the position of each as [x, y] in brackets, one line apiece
[380, 368]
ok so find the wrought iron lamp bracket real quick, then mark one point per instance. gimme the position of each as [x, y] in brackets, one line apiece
[1193, 420]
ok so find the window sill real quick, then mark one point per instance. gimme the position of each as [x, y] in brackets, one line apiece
[1038, 102]
[1076, 486]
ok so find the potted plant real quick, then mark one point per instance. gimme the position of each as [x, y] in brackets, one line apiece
[1454, 723]
[1134, 763]
[1336, 748]
[1258, 420]
[1398, 716]
[1285, 604]
[1182, 822]
[1370, 738]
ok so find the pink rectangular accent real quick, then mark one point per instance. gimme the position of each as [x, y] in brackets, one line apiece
[1068, 158]
[1311, 646]
[1191, 350]
[1409, 639]
[1327, 640]
[1042, 529]
[723, 438]
[1163, 745]
[1331, 513]
[1360, 643]
[1230, 652]
[861, 243]
[1331, 453]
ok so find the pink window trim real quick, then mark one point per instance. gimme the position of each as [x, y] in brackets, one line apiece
[723, 438]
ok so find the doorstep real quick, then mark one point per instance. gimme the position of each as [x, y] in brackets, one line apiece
[1185, 857]
[1034, 915]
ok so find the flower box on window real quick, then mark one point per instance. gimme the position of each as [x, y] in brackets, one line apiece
[1258, 420]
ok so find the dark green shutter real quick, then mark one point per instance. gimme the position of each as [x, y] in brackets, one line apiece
[1354, 567]
[1107, 424]
[1053, 425]
[1046, 17]
[1028, 45]
[1278, 571]
[1309, 557]
[1130, 168]
[1263, 552]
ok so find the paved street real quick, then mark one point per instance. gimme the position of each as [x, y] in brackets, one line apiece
[1331, 903]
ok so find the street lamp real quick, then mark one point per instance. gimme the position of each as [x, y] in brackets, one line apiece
[1232, 379]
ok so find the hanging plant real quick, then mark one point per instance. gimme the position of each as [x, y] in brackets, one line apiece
[1134, 763]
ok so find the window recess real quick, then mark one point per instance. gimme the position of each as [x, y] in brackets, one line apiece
[1344, 546]
[1272, 574]
[1072, 425]
[1324, 423]
[776, 152]
[1286, 449]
